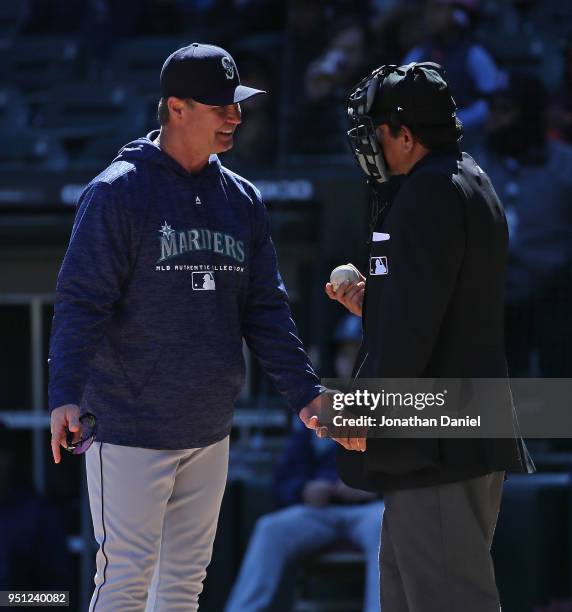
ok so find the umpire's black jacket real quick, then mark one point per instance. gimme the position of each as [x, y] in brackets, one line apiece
[433, 308]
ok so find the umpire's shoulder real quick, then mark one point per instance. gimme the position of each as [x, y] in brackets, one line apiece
[429, 192]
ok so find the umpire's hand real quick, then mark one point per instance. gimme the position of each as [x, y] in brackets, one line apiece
[64, 419]
[349, 294]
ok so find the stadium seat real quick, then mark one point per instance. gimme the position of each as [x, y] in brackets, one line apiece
[14, 110]
[269, 46]
[100, 151]
[82, 110]
[31, 151]
[332, 581]
[38, 63]
[11, 15]
[139, 61]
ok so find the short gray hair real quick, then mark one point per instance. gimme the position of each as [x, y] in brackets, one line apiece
[163, 110]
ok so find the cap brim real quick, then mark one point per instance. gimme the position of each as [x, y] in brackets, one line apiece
[243, 93]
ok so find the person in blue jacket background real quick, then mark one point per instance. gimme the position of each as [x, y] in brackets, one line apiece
[170, 266]
[317, 508]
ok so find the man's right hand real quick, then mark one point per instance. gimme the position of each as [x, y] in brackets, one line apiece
[63, 419]
[320, 411]
[349, 294]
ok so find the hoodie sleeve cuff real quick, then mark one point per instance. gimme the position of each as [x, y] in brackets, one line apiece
[308, 396]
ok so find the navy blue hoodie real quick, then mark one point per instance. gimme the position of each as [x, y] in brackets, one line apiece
[165, 274]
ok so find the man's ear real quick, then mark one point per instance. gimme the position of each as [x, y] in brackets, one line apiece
[407, 139]
[176, 106]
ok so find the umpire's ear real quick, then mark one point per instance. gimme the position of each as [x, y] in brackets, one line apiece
[407, 139]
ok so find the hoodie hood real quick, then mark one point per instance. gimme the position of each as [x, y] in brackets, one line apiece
[146, 150]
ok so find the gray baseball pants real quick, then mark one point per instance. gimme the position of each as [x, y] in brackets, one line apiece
[154, 514]
[435, 547]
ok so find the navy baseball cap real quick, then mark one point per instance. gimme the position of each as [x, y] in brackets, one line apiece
[205, 73]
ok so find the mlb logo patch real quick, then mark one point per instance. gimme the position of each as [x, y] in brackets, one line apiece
[203, 281]
[378, 266]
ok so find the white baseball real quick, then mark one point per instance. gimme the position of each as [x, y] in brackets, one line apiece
[343, 273]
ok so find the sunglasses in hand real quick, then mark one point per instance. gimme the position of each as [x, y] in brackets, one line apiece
[88, 429]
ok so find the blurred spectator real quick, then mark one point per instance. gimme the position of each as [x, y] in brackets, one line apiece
[533, 176]
[471, 70]
[511, 32]
[307, 23]
[256, 136]
[560, 109]
[347, 340]
[308, 26]
[341, 65]
[396, 32]
[327, 82]
[33, 553]
[318, 509]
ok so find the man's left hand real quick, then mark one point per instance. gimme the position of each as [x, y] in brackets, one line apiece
[310, 414]
[314, 415]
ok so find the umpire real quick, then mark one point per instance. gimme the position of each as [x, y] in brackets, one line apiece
[432, 307]
[170, 266]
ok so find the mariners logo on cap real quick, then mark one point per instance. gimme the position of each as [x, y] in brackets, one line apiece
[228, 67]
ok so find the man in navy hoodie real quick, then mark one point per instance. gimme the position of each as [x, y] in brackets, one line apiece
[170, 266]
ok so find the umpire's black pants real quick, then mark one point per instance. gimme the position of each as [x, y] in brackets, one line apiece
[435, 547]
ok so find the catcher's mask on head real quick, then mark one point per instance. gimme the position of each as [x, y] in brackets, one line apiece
[416, 95]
